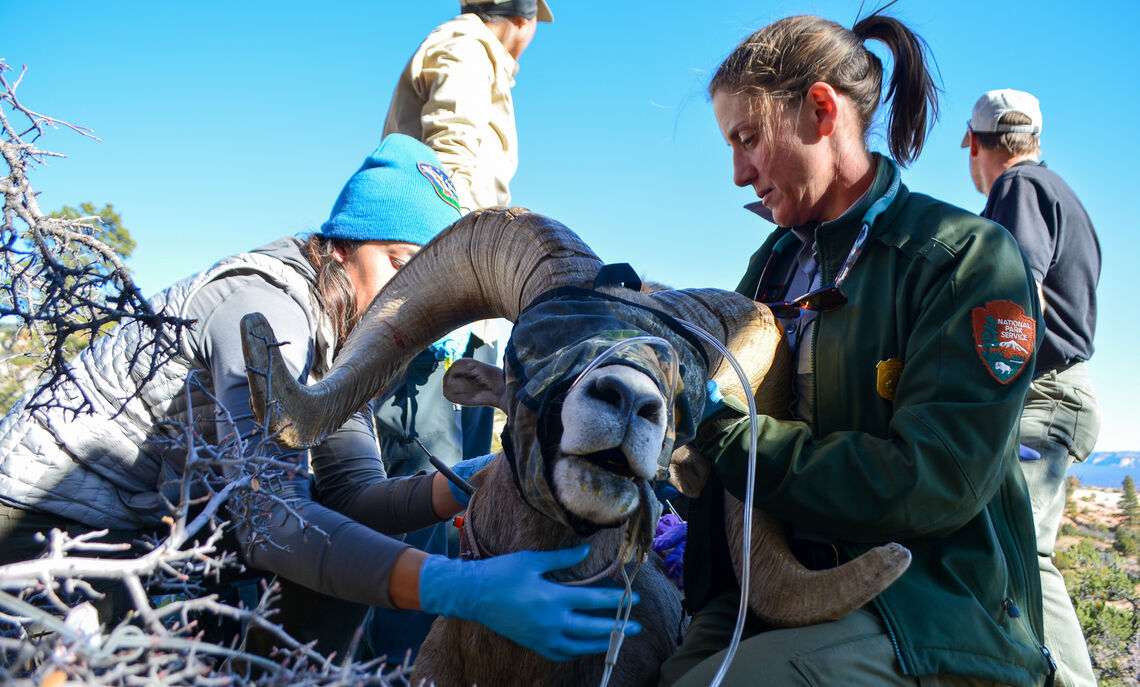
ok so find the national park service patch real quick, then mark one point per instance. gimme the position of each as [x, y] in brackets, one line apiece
[1005, 337]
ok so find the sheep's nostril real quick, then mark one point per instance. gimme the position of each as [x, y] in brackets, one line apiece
[609, 390]
[651, 409]
[615, 392]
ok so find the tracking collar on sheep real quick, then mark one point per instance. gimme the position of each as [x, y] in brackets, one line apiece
[554, 339]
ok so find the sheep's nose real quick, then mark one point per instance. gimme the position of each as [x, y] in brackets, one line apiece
[614, 391]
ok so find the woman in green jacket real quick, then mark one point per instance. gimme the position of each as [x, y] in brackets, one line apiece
[913, 343]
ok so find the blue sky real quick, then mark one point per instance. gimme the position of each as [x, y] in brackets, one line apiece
[225, 125]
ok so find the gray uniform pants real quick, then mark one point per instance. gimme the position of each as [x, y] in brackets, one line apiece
[854, 651]
[1061, 421]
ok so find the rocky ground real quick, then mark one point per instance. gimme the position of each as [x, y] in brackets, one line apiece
[1098, 504]
[1097, 513]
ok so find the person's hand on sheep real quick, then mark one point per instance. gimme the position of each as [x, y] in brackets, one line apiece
[509, 595]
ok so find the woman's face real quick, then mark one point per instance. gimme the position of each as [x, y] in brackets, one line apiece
[789, 166]
[372, 264]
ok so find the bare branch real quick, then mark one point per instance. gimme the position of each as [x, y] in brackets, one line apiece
[62, 287]
[60, 280]
[38, 121]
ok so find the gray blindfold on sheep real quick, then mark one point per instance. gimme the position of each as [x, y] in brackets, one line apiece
[606, 389]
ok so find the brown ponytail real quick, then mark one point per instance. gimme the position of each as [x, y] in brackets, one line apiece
[334, 289]
[776, 65]
[913, 95]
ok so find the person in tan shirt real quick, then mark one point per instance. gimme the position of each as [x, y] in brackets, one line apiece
[455, 95]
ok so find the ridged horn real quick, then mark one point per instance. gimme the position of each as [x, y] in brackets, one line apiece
[784, 593]
[491, 263]
[749, 330]
[745, 327]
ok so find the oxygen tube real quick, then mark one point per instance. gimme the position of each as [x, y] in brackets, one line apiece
[749, 487]
[746, 537]
[668, 358]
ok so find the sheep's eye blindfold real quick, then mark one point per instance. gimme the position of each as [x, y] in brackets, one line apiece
[653, 355]
[568, 330]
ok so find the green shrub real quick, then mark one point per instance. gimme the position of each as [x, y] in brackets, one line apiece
[1126, 545]
[1105, 599]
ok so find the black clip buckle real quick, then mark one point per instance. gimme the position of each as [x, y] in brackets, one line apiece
[618, 274]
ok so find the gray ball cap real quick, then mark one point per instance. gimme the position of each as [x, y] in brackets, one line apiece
[994, 104]
[516, 8]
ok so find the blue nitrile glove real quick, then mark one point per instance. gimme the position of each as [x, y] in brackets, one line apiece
[466, 468]
[665, 491]
[446, 351]
[509, 595]
[713, 400]
[675, 564]
[1026, 453]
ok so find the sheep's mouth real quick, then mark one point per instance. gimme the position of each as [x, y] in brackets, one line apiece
[595, 490]
[612, 460]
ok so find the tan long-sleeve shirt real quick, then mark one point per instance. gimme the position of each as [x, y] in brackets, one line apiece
[455, 96]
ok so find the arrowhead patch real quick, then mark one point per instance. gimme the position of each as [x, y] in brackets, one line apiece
[1004, 337]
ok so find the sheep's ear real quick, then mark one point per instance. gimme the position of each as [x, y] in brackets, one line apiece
[471, 383]
[689, 471]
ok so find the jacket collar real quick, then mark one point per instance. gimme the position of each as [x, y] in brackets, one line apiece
[833, 239]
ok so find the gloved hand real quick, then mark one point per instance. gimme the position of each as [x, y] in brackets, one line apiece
[669, 541]
[466, 468]
[713, 400]
[509, 595]
[446, 350]
[665, 491]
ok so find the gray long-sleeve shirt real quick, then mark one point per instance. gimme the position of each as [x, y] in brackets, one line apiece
[356, 506]
[112, 466]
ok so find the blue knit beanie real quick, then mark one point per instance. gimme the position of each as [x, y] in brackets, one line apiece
[400, 193]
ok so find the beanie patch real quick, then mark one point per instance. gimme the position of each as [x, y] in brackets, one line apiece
[395, 196]
[441, 183]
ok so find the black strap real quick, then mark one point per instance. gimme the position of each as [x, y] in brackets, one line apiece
[776, 276]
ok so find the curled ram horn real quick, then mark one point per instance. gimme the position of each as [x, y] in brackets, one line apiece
[784, 593]
[489, 264]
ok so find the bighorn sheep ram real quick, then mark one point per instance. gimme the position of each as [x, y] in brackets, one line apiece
[582, 439]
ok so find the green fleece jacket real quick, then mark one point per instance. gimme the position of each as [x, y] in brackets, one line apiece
[919, 383]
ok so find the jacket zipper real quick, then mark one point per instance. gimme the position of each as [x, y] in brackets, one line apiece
[1020, 571]
[823, 279]
[882, 606]
[878, 601]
